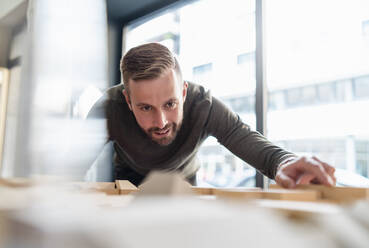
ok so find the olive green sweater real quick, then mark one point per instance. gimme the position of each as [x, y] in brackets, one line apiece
[204, 116]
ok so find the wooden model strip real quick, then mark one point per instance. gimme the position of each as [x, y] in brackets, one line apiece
[212, 190]
[16, 182]
[291, 195]
[203, 190]
[105, 187]
[239, 193]
[339, 194]
[335, 194]
[125, 187]
[276, 194]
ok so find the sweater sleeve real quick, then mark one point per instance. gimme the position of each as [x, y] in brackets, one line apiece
[248, 145]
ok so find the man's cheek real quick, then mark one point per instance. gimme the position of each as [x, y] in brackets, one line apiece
[143, 124]
[174, 117]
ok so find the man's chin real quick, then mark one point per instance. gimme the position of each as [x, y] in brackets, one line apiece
[163, 141]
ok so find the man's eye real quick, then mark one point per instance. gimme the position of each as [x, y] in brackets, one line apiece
[171, 105]
[146, 108]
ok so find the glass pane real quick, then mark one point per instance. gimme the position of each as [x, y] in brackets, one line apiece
[218, 53]
[318, 80]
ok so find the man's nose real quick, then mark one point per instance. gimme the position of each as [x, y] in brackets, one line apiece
[161, 119]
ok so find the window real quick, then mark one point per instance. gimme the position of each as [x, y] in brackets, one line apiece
[344, 90]
[362, 156]
[316, 68]
[276, 100]
[246, 63]
[308, 95]
[202, 73]
[365, 28]
[244, 104]
[207, 46]
[329, 149]
[322, 65]
[246, 58]
[361, 87]
[326, 92]
[293, 97]
[202, 69]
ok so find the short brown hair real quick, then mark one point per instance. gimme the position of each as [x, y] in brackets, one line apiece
[147, 61]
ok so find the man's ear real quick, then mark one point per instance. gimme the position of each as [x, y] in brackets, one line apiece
[128, 100]
[184, 91]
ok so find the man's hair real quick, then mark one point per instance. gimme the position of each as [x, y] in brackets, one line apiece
[147, 61]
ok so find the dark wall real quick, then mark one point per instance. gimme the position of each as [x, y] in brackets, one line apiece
[114, 51]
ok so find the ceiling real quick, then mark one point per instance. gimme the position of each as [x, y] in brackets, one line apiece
[119, 10]
[12, 12]
[128, 10]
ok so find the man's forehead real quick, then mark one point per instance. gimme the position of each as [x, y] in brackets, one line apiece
[160, 89]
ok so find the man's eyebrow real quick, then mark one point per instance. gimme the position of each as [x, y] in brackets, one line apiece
[172, 100]
[140, 104]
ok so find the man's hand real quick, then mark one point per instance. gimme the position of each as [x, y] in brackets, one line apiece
[305, 170]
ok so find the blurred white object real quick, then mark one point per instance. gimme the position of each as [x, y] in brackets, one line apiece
[159, 183]
[63, 70]
[348, 178]
[347, 228]
[164, 222]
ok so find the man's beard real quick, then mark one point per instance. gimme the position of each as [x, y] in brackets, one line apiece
[173, 129]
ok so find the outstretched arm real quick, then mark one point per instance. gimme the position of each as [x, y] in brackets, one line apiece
[286, 168]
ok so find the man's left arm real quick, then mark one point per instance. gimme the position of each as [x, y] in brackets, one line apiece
[285, 167]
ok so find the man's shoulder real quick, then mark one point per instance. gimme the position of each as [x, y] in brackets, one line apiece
[115, 93]
[112, 96]
[197, 92]
[198, 101]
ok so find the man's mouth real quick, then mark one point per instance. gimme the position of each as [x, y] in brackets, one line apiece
[163, 132]
[163, 136]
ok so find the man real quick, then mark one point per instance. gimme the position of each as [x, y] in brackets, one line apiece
[157, 121]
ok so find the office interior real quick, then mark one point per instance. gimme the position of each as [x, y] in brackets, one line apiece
[296, 71]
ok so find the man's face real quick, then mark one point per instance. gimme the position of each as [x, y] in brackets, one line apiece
[158, 105]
